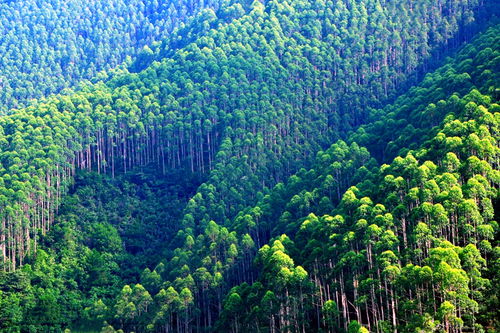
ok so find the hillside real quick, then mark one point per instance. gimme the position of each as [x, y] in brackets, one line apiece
[47, 46]
[196, 188]
[411, 244]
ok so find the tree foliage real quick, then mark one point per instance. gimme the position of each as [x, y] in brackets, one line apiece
[197, 188]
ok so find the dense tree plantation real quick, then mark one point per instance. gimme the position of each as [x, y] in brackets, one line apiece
[410, 245]
[50, 45]
[195, 187]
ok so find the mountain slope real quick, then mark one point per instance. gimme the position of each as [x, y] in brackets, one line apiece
[242, 98]
[50, 45]
[413, 245]
[267, 109]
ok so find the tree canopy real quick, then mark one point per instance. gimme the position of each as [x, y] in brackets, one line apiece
[274, 166]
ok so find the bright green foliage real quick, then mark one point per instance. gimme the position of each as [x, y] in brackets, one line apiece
[179, 113]
[400, 250]
[198, 190]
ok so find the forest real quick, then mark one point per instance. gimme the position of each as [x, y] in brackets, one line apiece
[47, 46]
[249, 166]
